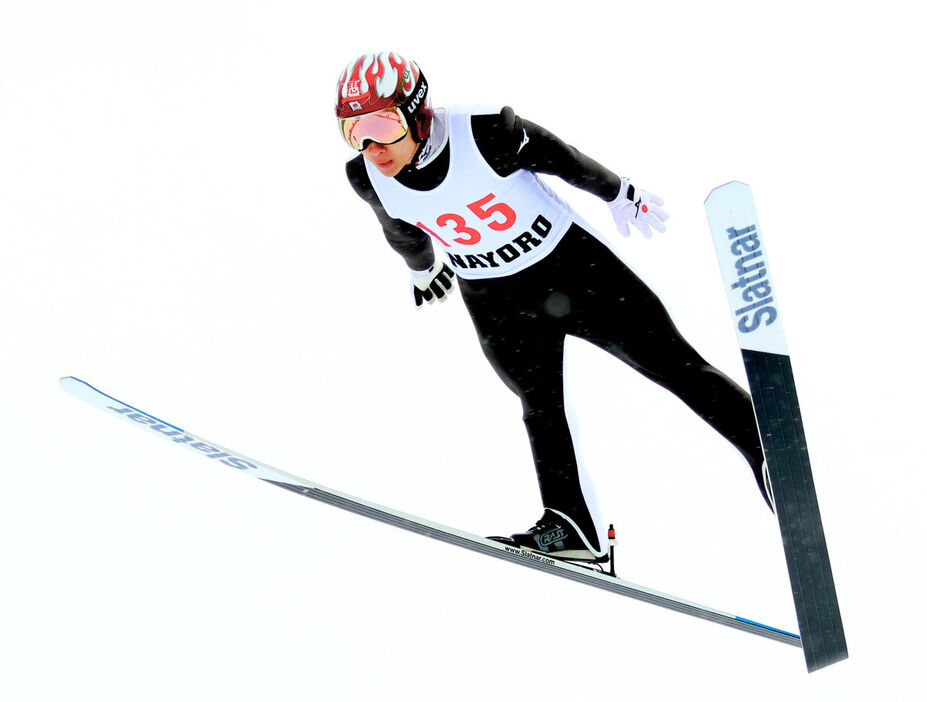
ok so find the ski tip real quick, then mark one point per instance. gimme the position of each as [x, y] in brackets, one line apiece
[69, 381]
[75, 386]
[730, 185]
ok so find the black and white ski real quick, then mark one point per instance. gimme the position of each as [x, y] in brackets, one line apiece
[213, 452]
[745, 270]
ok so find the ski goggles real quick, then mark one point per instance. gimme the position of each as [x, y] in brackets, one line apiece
[384, 127]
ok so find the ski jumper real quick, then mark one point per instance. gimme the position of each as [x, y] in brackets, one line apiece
[532, 272]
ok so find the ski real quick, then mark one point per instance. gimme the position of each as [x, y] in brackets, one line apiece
[745, 269]
[213, 452]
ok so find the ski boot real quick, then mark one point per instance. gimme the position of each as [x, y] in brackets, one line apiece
[557, 536]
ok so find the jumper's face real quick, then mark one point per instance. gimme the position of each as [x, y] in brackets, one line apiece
[391, 158]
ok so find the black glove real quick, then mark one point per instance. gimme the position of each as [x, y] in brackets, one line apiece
[436, 282]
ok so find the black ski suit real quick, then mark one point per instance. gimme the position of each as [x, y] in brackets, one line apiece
[582, 289]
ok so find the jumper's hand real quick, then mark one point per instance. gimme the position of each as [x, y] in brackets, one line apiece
[435, 283]
[640, 208]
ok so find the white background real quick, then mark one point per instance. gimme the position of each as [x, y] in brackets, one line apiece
[176, 228]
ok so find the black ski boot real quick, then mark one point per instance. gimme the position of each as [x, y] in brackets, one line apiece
[557, 536]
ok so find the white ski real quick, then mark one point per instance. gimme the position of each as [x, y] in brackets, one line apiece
[744, 262]
[213, 452]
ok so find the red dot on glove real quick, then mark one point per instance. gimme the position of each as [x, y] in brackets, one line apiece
[644, 208]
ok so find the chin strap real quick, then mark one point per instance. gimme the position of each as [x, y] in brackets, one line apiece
[437, 139]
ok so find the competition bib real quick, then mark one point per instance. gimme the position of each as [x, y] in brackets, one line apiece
[487, 226]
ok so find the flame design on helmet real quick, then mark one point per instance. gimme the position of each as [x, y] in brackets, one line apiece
[375, 81]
